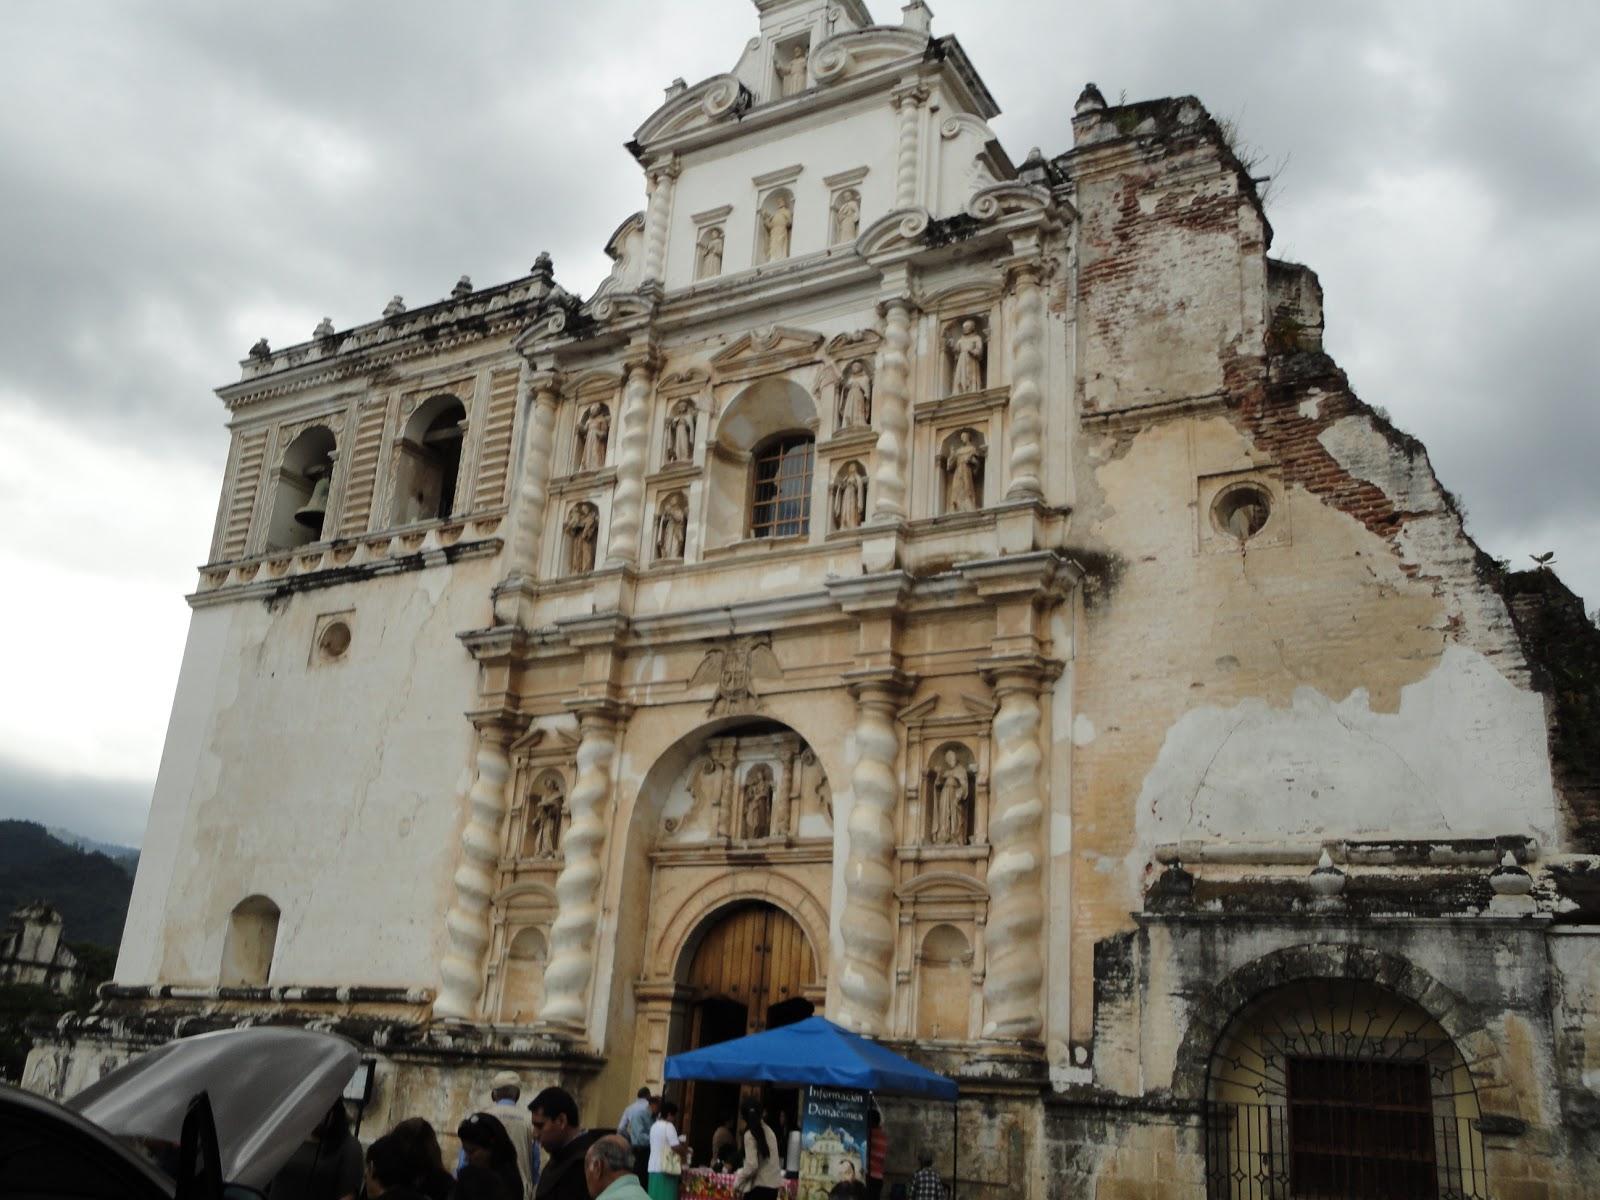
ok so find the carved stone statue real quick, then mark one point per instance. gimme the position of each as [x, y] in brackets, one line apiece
[544, 822]
[846, 217]
[850, 497]
[757, 802]
[680, 433]
[704, 788]
[582, 529]
[951, 794]
[594, 429]
[792, 74]
[777, 221]
[814, 785]
[967, 347]
[855, 396]
[708, 254]
[963, 467]
[670, 522]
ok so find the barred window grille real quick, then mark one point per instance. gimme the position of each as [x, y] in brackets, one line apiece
[1337, 1089]
[781, 503]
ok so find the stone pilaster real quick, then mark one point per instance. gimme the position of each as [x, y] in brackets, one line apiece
[467, 923]
[572, 936]
[891, 404]
[658, 215]
[907, 100]
[627, 502]
[1027, 381]
[1012, 988]
[867, 926]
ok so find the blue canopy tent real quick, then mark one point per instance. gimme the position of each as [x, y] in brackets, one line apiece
[813, 1051]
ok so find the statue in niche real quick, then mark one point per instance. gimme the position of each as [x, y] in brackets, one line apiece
[850, 497]
[967, 348]
[963, 468]
[708, 254]
[594, 428]
[544, 822]
[680, 433]
[758, 802]
[855, 396]
[846, 217]
[670, 523]
[792, 74]
[951, 793]
[778, 221]
[583, 530]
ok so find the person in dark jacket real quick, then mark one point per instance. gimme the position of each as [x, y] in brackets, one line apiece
[427, 1161]
[488, 1146]
[555, 1126]
[389, 1169]
[326, 1166]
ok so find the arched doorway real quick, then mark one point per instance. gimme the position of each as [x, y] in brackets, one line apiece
[1340, 1088]
[749, 970]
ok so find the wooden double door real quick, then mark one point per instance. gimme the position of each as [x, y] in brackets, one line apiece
[751, 972]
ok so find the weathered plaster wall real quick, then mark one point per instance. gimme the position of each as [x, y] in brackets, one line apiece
[328, 787]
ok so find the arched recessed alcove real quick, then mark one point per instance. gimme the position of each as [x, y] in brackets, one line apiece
[300, 496]
[773, 412]
[428, 461]
[250, 942]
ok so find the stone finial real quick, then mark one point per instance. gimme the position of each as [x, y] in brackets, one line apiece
[1327, 881]
[324, 329]
[917, 15]
[261, 351]
[395, 307]
[1034, 168]
[1509, 879]
[1089, 101]
[676, 88]
[543, 269]
[462, 289]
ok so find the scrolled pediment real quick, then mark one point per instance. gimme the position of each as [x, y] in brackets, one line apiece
[900, 230]
[767, 350]
[707, 102]
[1007, 199]
[860, 50]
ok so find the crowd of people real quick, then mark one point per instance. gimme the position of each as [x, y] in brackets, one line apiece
[542, 1152]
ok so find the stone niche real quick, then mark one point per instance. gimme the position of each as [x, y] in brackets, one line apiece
[759, 787]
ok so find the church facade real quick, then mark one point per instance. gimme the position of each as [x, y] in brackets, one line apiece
[952, 595]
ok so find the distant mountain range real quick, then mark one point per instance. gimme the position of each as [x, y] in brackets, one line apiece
[126, 857]
[88, 887]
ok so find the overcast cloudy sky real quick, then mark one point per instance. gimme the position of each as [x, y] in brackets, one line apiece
[180, 177]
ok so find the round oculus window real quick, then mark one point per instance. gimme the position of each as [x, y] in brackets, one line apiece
[1242, 512]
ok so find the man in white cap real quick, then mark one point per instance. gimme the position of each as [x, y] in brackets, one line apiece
[505, 1089]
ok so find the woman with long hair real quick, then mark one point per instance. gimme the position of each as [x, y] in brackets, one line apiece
[427, 1161]
[328, 1165]
[488, 1147]
[762, 1173]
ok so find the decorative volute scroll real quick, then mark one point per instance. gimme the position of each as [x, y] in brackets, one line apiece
[627, 504]
[572, 935]
[734, 668]
[467, 928]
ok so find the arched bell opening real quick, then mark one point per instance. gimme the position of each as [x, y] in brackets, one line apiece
[428, 461]
[300, 498]
[1340, 1087]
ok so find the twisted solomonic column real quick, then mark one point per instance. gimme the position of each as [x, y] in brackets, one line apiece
[527, 530]
[658, 213]
[467, 922]
[1027, 383]
[892, 401]
[572, 936]
[627, 502]
[907, 101]
[1011, 989]
[867, 925]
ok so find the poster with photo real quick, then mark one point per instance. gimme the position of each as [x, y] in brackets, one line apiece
[833, 1140]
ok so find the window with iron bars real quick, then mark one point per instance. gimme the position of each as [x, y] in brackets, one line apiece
[781, 499]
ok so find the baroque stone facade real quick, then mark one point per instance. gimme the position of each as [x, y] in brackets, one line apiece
[968, 583]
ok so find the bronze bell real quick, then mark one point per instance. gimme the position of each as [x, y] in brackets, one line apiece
[316, 508]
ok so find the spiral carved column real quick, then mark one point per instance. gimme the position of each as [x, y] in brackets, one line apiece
[467, 923]
[1013, 936]
[657, 214]
[627, 502]
[1027, 384]
[572, 935]
[892, 400]
[533, 489]
[867, 925]
[908, 104]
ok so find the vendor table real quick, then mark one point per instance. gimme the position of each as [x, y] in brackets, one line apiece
[701, 1183]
